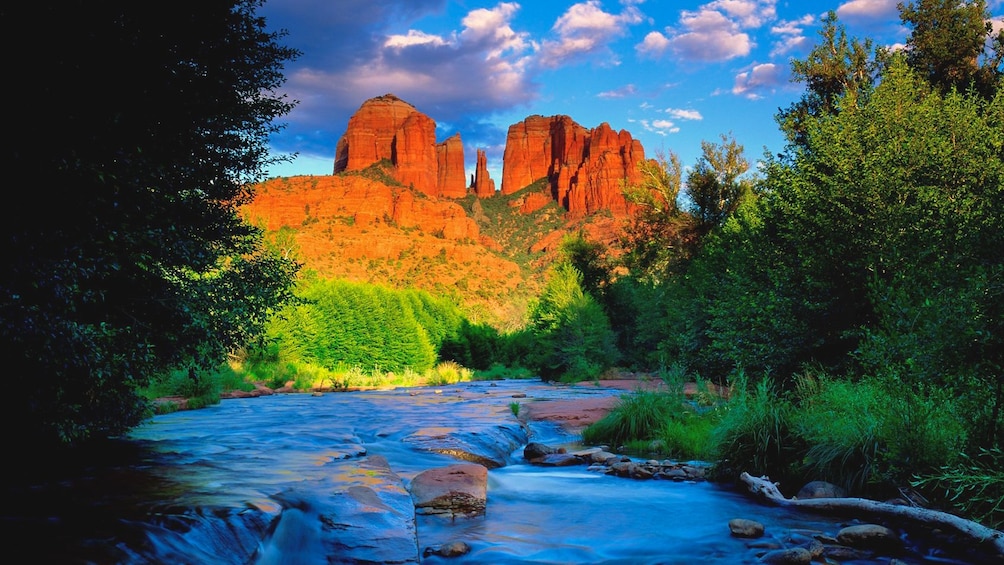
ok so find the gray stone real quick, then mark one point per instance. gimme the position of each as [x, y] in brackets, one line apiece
[743, 528]
[820, 489]
[792, 556]
[868, 536]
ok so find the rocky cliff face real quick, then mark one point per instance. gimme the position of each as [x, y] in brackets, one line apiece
[585, 168]
[387, 127]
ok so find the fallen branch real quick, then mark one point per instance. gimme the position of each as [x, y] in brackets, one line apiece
[934, 518]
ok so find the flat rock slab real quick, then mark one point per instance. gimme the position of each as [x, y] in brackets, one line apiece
[454, 491]
[369, 518]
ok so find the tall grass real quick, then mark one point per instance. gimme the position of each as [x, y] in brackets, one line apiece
[755, 433]
[869, 438]
[974, 485]
[640, 415]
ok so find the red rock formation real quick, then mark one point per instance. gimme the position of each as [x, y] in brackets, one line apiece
[450, 160]
[414, 153]
[370, 133]
[585, 169]
[386, 127]
[483, 185]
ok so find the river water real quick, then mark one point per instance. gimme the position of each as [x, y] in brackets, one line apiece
[279, 480]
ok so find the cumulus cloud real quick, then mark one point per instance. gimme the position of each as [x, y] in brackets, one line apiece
[681, 114]
[585, 30]
[758, 80]
[374, 48]
[661, 127]
[713, 32]
[860, 11]
[790, 35]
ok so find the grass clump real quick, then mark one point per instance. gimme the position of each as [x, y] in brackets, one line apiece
[973, 486]
[640, 415]
[755, 433]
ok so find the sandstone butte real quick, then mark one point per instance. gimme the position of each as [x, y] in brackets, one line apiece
[387, 127]
[585, 168]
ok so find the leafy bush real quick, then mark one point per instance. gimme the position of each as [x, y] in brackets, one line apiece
[689, 435]
[448, 372]
[572, 338]
[340, 323]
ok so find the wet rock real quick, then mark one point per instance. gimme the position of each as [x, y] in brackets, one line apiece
[452, 549]
[743, 528]
[868, 536]
[559, 460]
[457, 490]
[370, 518]
[820, 489]
[488, 445]
[791, 556]
[534, 451]
[841, 553]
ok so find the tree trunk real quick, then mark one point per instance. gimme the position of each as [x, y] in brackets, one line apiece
[977, 533]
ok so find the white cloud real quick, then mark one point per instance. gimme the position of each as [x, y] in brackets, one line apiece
[760, 78]
[713, 32]
[682, 114]
[790, 35]
[748, 13]
[653, 45]
[413, 37]
[626, 90]
[661, 127]
[710, 36]
[861, 10]
[584, 30]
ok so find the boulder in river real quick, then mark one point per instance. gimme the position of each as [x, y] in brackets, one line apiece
[456, 490]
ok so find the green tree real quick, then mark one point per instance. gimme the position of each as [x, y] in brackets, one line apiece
[949, 46]
[715, 186]
[572, 335]
[140, 136]
[660, 236]
[836, 69]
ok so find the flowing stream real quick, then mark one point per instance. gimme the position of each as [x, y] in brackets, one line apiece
[297, 479]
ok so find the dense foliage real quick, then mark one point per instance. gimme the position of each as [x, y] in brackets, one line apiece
[139, 133]
[344, 324]
[851, 297]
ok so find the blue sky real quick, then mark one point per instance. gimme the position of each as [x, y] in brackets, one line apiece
[673, 73]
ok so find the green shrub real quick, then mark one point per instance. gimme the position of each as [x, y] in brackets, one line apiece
[869, 437]
[448, 372]
[689, 436]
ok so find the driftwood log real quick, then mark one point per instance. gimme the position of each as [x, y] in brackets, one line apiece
[977, 533]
